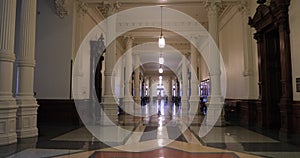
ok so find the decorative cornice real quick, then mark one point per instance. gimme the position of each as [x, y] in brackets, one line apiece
[61, 8]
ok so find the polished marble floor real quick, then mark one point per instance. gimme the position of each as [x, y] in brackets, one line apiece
[162, 131]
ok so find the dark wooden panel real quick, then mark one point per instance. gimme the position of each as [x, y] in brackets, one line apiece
[242, 112]
[248, 113]
[232, 110]
[53, 111]
[296, 117]
[296, 122]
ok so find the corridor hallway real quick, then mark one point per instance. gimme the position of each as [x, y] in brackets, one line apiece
[160, 132]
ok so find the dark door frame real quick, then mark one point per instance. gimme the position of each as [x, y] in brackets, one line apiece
[273, 18]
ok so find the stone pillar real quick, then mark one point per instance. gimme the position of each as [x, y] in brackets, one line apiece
[194, 98]
[122, 81]
[128, 100]
[27, 105]
[215, 99]
[174, 83]
[150, 90]
[169, 88]
[109, 104]
[8, 106]
[184, 96]
[247, 49]
[137, 96]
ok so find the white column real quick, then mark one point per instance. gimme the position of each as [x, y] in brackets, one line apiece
[150, 90]
[110, 106]
[8, 106]
[27, 105]
[184, 96]
[194, 98]
[194, 77]
[122, 81]
[137, 97]
[169, 88]
[174, 84]
[247, 49]
[128, 100]
[215, 100]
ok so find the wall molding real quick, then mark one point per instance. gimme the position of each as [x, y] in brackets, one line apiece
[227, 16]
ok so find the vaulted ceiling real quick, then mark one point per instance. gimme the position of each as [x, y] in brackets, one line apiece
[193, 8]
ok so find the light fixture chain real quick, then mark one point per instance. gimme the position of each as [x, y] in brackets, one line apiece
[161, 20]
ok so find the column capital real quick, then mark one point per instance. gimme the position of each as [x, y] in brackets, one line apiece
[244, 7]
[108, 8]
[213, 8]
[193, 48]
[129, 41]
[82, 9]
[128, 37]
[186, 54]
[61, 7]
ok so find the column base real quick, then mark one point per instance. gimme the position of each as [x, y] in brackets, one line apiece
[26, 143]
[110, 109]
[137, 110]
[184, 105]
[194, 104]
[129, 108]
[215, 112]
[8, 110]
[27, 117]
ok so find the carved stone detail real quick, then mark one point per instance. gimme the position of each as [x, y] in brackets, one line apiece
[61, 8]
[243, 7]
[216, 8]
[108, 8]
[82, 8]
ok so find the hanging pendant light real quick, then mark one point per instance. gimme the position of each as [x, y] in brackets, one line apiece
[161, 39]
[160, 70]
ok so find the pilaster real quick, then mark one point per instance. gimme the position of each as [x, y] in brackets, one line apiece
[247, 48]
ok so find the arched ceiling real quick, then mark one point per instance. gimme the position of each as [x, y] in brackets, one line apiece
[194, 8]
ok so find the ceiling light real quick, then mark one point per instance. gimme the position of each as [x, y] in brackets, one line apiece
[161, 39]
[160, 70]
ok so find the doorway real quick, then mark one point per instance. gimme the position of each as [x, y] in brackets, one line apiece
[272, 79]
